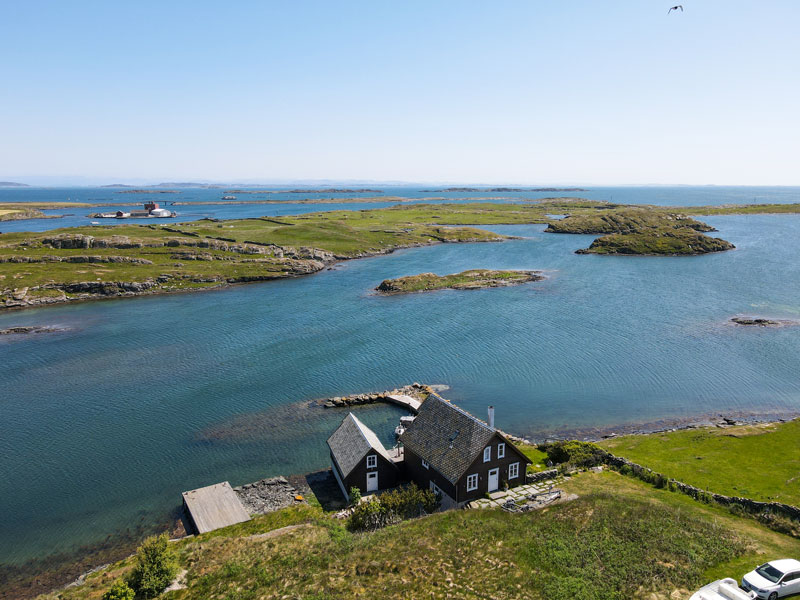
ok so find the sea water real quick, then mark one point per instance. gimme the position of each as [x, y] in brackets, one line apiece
[103, 425]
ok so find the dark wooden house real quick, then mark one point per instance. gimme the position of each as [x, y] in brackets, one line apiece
[453, 453]
[359, 459]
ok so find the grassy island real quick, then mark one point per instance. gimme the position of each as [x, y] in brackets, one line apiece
[466, 280]
[669, 242]
[123, 260]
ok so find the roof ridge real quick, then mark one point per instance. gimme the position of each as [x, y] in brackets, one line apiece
[464, 412]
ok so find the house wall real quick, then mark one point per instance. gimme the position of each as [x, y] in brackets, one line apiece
[422, 476]
[482, 469]
[387, 474]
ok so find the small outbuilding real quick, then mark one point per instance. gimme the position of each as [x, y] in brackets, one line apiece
[214, 506]
[359, 459]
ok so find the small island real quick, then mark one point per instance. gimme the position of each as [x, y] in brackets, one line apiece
[473, 279]
[641, 231]
[677, 242]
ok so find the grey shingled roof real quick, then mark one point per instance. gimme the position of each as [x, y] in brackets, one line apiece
[351, 442]
[446, 437]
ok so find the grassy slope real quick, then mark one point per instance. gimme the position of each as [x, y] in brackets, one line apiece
[621, 539]
[761, 462]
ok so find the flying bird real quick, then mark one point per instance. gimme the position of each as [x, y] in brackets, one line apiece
[675, 8]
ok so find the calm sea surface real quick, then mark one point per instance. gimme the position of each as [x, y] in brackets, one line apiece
[102, 426]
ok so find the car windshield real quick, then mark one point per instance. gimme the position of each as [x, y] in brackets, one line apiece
[769, 572]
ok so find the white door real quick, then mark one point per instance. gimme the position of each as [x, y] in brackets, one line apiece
[493, 477]
[372, 481]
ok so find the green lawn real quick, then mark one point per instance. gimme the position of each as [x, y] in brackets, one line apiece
[761, 462]
[621, 539]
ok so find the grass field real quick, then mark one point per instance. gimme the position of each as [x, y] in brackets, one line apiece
[761, 462]
[621, 539]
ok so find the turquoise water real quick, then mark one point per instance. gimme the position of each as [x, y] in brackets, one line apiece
[105, 424]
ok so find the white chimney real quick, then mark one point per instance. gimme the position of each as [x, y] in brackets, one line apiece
[491, 417]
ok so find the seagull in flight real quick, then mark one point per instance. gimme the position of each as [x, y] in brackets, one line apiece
[675, 8]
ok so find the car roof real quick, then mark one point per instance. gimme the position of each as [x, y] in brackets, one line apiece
[785, 564]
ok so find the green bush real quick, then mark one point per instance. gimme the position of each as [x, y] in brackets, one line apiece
[575, 453]
[119, 591]
[155, 567]
[392, 507]
[355, 496]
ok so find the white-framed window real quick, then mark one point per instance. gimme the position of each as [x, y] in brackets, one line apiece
[425, 464]
[372, 461]
[513, 470]
[434, 488]
[487, 454]
[472, 482]
[501, 450]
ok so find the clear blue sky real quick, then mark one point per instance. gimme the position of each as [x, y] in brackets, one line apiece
[563, 91]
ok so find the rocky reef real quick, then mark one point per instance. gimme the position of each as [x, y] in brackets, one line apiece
[29, 329]
[762, 322]
[466, 280]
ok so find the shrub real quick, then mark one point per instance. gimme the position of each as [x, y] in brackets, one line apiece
[392, 507]
[355, 496]
[575, 453]
[155, 567]
[119, 591]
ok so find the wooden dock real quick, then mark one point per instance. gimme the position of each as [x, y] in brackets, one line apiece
[214, 506]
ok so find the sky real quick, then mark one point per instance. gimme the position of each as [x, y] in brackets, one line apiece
[530, 92]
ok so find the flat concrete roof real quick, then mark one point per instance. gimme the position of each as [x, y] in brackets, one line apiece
[214, 506]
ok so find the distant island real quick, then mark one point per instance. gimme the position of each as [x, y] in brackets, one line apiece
[473, 279]
[12, 184]
[148, 192]
[308, 191]
[506, 189]
[183, 184]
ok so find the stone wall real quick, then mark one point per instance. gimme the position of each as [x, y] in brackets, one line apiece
[751, 506]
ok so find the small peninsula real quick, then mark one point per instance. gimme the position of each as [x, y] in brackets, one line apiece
[473, 279]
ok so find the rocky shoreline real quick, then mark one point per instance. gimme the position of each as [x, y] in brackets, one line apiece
[595, 434]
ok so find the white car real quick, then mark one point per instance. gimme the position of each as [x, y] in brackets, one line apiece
[775, 579]
[722, 589]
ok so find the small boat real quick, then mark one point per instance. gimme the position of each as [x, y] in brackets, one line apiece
[95, 222]
[399, 430]
[229, 197]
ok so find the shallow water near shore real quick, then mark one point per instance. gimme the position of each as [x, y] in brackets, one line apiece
[103, 425]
